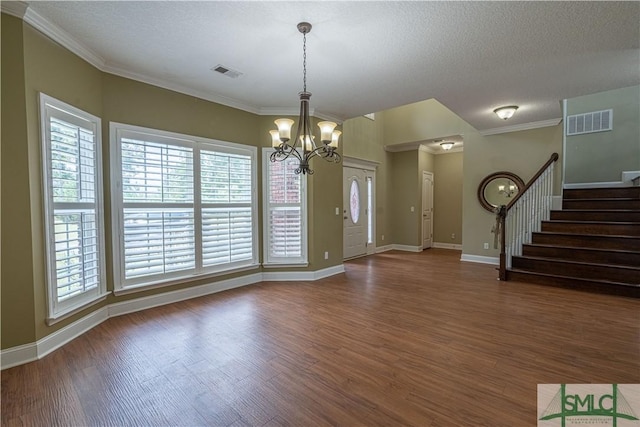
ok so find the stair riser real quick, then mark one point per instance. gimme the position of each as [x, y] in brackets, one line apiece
[583, 255]
[580, 271]
[601, 204]
[609, 216]
[596, 242]
[613, 229]
[627, 291]
[602, 193]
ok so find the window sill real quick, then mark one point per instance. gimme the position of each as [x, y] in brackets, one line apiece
[65, 314]
[178, 280]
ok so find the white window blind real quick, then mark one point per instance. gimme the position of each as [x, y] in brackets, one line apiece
[185, 204]
[74, 224]
[285, 212]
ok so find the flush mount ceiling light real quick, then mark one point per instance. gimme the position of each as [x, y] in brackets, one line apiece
[506, 112]
[303, 146]
[446, 146]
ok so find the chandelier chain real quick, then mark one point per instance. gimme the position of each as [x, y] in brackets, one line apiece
[304, 61]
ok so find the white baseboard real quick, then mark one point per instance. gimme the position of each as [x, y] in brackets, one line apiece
[384, 248]
[407, 248]
[138, 304]
[26, 353]
[480, 259]
[62, 336]
[22, 354]
[18, 355]
[303, 276]
[447, 246]
[630, 175]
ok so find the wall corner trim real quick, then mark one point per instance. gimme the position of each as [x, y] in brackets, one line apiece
[480, 259]
[30, 352]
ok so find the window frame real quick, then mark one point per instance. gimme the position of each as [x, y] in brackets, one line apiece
[268, 261]
[53, 108]
[197, 144]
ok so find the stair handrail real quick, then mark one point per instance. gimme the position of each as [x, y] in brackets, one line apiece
[503, 211]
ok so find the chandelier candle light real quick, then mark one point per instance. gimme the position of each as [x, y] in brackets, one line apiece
[303, 146]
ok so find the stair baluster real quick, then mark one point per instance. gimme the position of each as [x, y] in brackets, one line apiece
[524, 214]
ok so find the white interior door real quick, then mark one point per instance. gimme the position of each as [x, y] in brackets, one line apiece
[354, 213]
[427, 209]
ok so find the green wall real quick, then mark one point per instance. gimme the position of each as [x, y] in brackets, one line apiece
[17, 276]
[406, 195]
[603, 156]
[32, 63]
[447, 198]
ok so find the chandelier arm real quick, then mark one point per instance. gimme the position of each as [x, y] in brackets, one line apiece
[283, 152]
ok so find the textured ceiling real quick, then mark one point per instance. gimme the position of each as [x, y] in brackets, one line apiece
[364, 56]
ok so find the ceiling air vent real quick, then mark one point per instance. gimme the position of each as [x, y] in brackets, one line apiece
[227, 71]
[596, 121]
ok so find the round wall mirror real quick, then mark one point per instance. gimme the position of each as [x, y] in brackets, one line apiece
[499, 189]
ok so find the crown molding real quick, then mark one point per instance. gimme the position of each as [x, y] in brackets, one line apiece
[166, 84]
[58, 35]
[14, 8]
[63, 38]
[522, 126]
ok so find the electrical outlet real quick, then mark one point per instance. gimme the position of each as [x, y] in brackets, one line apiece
[326, 255]
[486, 246]
[412, 209]
[383, 237]
[453, 235]
[337, 211]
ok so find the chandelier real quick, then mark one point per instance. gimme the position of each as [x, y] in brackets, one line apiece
[303, 146]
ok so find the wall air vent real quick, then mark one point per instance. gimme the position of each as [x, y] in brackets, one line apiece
[226, 71]
[596, 121]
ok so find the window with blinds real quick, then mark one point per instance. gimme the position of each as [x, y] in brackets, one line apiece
[285, 230]
[185, 206]
[72, 181]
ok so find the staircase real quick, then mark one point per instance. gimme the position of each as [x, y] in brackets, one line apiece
[592, 244]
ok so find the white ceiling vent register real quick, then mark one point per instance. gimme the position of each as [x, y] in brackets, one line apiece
[596, 121]
[227, 71]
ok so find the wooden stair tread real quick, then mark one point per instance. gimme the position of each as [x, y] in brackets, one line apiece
[585, 248]
[571, 221]
[579, 279]
[625, 236]
[568, 261]
[596, 210]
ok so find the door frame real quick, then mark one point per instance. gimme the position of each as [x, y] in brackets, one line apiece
[433, 185]
[369, 167]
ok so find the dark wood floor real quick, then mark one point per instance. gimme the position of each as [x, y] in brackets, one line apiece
[400, 339]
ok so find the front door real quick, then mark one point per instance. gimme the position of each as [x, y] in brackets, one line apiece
[354, 213]
[427, 209]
